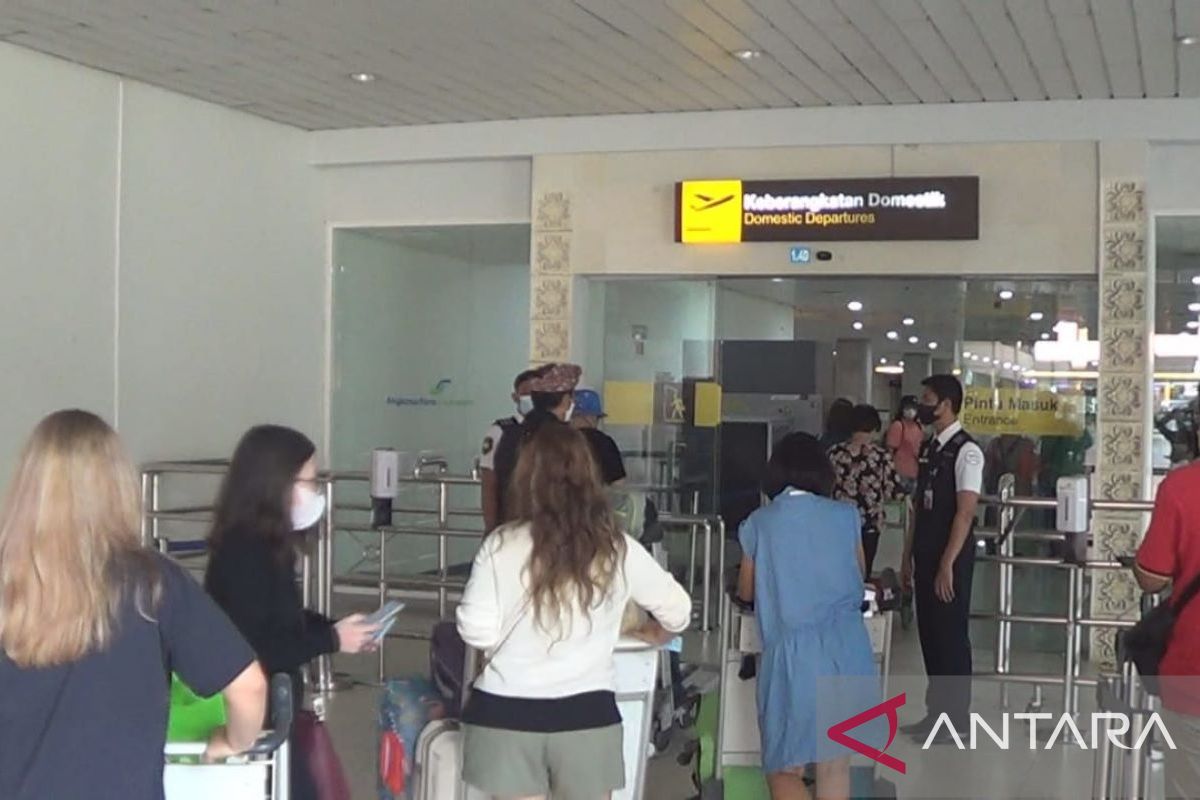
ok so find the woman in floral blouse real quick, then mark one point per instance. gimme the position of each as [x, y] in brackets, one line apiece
[866, 476]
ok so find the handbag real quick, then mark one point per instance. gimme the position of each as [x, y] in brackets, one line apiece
[1146, 642]
[315, 746]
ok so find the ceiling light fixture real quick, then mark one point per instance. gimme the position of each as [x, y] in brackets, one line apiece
[747, 54]
[1037, 316]
[858, 326]
[908, 322]
[1193, 307]
[893, 335]
[913, 340]
[854, 305]
[1196, 280]
[362, 77]
[1193, 325]
[933, 345]
[1045, 337]
[1007, 294]
[883, 361]
[776, 280]
[1188, 40]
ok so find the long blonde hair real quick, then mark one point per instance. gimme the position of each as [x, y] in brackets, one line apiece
[70, 549]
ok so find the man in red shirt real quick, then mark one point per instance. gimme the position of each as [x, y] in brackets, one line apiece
[1170, 555]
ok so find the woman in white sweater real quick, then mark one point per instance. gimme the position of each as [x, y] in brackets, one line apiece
[544, 602]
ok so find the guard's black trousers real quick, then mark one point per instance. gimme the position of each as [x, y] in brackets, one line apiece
[945, 634]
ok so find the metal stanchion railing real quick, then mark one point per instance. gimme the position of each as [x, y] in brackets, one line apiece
[713, 528]
[1076, 622]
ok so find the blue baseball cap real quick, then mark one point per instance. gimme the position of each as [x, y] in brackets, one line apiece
[588, 403]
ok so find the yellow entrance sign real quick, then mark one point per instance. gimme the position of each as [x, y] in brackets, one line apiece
[710, 212]
[1027, 412]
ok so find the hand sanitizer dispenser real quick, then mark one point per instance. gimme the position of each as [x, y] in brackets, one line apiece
[385, 486]
[1072, 517]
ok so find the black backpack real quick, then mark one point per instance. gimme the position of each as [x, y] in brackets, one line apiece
[1145, 643]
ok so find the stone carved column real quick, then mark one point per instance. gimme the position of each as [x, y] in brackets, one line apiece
[1126, 369]
[550, 279]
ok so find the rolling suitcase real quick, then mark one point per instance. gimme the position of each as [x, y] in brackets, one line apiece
[438, 760]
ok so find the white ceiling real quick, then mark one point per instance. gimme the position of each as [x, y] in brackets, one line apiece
[462, 60]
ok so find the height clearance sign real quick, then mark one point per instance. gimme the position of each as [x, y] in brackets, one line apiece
[827, 210]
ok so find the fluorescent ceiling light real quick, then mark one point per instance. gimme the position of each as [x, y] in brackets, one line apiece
[889, 370]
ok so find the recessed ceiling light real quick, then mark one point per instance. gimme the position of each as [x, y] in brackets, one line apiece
[974, 357]
[913, 340]
[987, 360]
[1187, 40]
[1193, 325]
[362, 77]
[1037, 316]
[966, 355]
[747, 54]
[776, 280]
[1007, 365]
[883, 361]
[1045, 337]
[1193, 307]
[1196, 280]
[893, 335]
[1006, 294]
[908, 322]
[933, 345]
[902, 363]
[854, 305]
[858, 326]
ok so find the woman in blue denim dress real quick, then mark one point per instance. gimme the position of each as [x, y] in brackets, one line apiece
[802, 566]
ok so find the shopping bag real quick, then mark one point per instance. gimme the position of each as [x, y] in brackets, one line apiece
[314, 747]
[192, 718]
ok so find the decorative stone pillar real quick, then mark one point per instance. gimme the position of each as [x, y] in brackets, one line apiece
[550, 279]
[1126, 371]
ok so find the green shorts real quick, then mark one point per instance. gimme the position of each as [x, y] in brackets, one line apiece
[573, 765]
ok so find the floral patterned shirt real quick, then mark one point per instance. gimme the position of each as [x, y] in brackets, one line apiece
[866, 478]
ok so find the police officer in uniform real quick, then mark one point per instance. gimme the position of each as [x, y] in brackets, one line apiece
[552, 393]
[521, 396]
[939, 554]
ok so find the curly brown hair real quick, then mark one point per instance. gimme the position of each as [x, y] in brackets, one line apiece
[577, 544]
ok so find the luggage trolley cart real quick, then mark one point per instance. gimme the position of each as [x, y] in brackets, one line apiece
[261, 773]
[737, 760]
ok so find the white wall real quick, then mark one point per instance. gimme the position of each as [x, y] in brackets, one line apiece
[222, 278]
[745, 316]
[57, 227]
[672, 311]
[1173, 179]
[404, 319]
[199, 223]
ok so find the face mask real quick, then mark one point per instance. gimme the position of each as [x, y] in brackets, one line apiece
[910, 413]
[927, 414]
[570, 413]
[310, 510]
[524, 405]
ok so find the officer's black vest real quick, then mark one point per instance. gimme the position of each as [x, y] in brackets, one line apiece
[509, 450]
[932, 529]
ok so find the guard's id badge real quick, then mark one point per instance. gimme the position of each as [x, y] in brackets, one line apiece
[929, 499]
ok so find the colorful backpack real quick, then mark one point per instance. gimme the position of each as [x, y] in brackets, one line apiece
[405, 708]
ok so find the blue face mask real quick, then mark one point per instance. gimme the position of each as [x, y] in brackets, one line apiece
[524, 405]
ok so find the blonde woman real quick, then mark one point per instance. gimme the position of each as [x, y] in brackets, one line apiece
[91, 624]
[545, 600]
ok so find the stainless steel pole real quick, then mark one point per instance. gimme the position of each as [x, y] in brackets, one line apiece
[1004, 600]
[443, 523]
[383, 590]
[155, 485]
[706, 579]
[720, 565]
[1070, 665]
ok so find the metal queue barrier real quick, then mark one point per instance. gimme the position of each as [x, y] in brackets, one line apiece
[1077, 620]
[319, 580]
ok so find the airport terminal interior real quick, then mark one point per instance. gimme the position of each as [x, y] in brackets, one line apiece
[363, 219]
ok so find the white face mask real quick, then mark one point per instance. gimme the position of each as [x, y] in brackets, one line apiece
[524, 405]
[309, 511]
[910, 413]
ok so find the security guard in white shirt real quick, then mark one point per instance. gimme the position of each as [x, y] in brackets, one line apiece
[939, 553]
[491, 489]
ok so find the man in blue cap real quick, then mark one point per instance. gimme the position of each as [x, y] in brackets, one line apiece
[589, 410]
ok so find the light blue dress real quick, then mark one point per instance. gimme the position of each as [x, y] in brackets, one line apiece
[816, 667]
